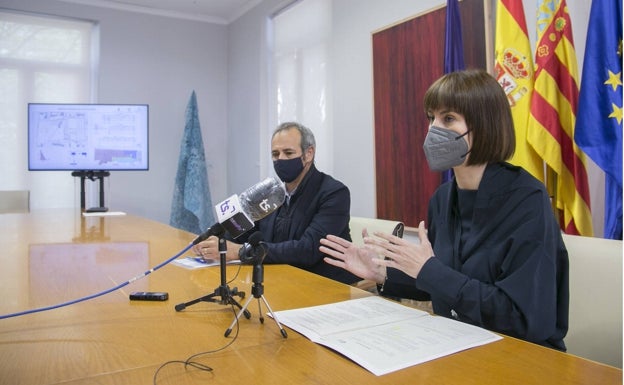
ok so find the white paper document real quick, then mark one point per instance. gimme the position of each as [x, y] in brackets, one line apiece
[381, 335]
[103, 214]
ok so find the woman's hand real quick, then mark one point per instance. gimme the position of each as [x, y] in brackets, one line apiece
[401, 254]
[352, 258]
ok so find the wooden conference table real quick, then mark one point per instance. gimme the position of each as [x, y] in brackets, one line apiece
[53, 256]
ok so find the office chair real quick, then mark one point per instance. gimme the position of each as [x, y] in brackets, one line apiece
[357, 224]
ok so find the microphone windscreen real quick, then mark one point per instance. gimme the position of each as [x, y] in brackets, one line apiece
[255, 238]
[237, 214]
[263, 198]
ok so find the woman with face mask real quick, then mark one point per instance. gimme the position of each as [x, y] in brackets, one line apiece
[316, 205]
[493, 255]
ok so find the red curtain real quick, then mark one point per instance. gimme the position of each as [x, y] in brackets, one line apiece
[407, 58]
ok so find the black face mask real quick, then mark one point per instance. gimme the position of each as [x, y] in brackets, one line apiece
[288, 169]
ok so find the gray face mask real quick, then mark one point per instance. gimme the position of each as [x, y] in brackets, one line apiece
[444, 149]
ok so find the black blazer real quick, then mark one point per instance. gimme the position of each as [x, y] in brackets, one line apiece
[510, 274]
[319, 206]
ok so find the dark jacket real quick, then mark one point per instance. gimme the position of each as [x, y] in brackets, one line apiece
[319, 206]
[510, 275]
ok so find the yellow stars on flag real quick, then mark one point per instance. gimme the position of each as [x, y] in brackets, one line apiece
[615, 81]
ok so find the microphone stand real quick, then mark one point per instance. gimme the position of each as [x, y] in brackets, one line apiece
[223, 291]
[258, 292]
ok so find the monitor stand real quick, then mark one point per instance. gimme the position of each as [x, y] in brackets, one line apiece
[96, 210]
[92, 175]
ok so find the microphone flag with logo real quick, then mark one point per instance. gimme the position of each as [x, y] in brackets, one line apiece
[238, 213]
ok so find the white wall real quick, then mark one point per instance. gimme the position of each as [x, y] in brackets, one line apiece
[247, 105]
[354, 23]
[158, 61]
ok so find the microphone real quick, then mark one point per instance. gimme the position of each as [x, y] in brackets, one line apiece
[237, 214]
[253, 251]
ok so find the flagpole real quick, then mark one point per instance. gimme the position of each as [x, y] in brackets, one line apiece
[550, 177]
[489, 34]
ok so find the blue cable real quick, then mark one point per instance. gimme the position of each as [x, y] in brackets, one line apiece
[102, 292]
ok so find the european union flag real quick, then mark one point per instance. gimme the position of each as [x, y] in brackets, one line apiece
[191, 208]
[453, 50]
[598, 130]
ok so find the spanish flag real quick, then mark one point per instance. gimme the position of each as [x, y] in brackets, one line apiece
[514, 71]
[553, 116]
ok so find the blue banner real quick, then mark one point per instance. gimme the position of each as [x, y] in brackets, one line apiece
[191, 208]
[453, 51]
[453, 42]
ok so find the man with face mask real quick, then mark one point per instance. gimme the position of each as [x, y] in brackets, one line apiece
[316, 205]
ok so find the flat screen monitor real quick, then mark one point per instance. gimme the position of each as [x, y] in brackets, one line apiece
[88, 137]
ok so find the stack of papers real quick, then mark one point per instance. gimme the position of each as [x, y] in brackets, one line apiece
[381, 335]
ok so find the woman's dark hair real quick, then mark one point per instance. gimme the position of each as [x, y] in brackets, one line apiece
[481, 100]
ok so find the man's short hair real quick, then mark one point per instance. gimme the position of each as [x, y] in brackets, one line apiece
[307, 137]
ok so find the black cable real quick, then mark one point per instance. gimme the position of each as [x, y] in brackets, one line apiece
[198, 365]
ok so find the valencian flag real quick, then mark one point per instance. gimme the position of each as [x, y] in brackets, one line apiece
[453, 50]
[191, 207]
[599, 120]
[514, 72]
[553, 116]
